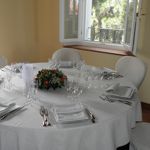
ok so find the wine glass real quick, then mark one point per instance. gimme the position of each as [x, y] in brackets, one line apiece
[27, 76]
[77, 91]
[34, 90]
[74, 90]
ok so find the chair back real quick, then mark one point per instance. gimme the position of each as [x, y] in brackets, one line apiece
[67, 54]
[132, 68]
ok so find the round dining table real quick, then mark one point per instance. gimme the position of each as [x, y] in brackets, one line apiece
[24, 130]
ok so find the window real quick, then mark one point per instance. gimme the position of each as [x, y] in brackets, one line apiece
[100, 23]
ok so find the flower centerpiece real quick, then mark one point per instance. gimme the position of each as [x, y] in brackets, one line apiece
[50, 78]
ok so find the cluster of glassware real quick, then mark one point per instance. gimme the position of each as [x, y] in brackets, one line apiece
[90, 74]
[84, 77]
[7, 85]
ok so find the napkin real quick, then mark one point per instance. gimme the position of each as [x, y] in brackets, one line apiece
[70, 113]
[113, 87]
[74, 117]
[68, 108]
[65, 64]
[120, 92]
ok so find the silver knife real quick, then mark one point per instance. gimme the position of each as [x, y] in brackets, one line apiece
[11, 112]
[92, 117]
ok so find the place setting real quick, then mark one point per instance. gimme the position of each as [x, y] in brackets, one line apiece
[71, 113]
[67, 115]
[118, 93]
[10, 109]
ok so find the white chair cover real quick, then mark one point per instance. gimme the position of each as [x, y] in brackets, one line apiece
[3, 61]
[131, 68]
[140, 137]
[67, 54]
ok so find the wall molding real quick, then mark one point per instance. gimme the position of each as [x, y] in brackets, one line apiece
[145, 105]
[100, 50]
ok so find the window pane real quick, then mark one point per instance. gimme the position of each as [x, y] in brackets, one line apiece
[129, 22]
[106, 21]
[71, 19]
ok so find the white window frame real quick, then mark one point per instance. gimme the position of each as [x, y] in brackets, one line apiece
[81, 30]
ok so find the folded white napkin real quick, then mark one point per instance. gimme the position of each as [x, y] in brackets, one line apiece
[70, 113]
[120, 91]
[67, 118]
[113, 87]
[65, 64]
[68, 108]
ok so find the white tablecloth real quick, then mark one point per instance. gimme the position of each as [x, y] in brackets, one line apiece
[24, 131]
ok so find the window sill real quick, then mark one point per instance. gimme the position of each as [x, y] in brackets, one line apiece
[101, 50]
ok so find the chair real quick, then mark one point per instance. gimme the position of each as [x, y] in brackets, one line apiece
[3, 61]
[132, 68]
[67, 54]
[140, 137]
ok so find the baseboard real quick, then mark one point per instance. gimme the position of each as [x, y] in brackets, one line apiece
[145, 105]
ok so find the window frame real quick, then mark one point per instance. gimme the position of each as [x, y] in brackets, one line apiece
[81, 24]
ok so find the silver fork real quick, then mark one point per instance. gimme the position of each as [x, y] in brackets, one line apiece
[44, 114]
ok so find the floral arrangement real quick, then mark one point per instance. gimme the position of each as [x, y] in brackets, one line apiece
[50, 78]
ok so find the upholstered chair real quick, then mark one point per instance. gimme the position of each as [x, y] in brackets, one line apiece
[67, 54]
[132, 68]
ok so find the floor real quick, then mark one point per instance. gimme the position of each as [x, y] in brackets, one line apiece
[146, 118]
[146, 113]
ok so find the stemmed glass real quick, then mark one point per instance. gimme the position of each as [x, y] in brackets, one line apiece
[27, 75]
[77, 91]
[74, 90]
[55, 64]
[9, 73]
[33, 91]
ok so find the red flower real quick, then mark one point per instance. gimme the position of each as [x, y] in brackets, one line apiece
[63, 78]
[53, 70]
[46, 82]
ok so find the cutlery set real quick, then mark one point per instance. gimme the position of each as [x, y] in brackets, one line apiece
[44, 114]
[91, 115]
[11, 112]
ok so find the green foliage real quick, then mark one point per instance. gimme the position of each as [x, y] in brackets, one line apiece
[50, 78]
[107, 14]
